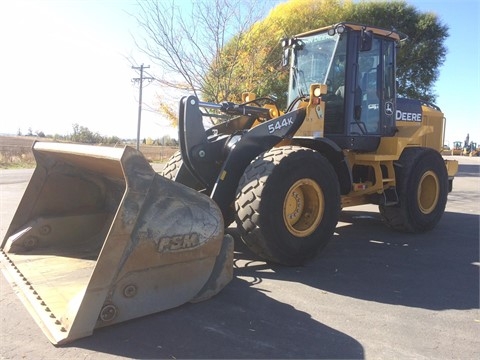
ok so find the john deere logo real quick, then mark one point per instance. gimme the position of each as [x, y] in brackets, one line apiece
[388, 108]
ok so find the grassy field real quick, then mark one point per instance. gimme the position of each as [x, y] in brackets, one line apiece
[16, 151]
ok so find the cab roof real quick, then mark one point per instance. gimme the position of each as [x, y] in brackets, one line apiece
[393, 34]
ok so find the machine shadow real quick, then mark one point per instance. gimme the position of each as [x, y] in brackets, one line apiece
[364, 260]
[240, 322]
[468, 170]
[437, 270]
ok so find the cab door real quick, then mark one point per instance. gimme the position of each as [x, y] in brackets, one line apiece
[376, 84]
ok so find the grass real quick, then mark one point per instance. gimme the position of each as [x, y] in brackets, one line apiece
[16, 152]
[16, 158]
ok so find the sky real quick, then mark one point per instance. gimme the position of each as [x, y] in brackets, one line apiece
[66, 62]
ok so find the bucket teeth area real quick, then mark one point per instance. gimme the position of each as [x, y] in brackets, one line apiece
[31, 298]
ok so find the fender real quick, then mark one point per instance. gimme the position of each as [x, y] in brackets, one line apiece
[334, 154]
[252, 143]
[218, 160]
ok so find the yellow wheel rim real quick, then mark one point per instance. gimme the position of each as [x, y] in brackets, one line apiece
[303, 207]
[428, 191]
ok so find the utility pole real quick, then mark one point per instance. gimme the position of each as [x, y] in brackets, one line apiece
[141, 78]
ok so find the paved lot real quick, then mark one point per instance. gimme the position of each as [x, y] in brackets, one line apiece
[372, 293]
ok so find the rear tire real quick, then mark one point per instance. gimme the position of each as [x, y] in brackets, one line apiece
[422, 186]
[288, 204]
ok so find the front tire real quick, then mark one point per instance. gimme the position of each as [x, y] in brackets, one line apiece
[422, 185]
[172, 166]
[175, 170]
[288, 204]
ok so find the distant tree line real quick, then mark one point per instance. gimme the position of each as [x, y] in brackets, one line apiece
[81, 134]
[30, 132]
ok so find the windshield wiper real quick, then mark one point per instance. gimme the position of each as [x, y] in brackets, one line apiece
[296, 80]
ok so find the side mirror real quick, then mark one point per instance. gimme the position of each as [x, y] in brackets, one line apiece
[366, 40]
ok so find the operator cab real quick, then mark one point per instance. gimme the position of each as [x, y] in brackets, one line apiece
[357, 63]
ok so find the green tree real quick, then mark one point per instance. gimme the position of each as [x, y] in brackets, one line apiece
[82, 134]
[418, 61]
[112, 140]
[421, 55]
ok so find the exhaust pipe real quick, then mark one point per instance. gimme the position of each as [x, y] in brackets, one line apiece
[99, 238]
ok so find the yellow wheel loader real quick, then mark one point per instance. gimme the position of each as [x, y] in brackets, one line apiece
[470, 149]
[99, 238]
[457, 148]
[474, 149]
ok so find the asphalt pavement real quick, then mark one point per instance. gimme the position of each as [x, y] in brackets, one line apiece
[372, 293]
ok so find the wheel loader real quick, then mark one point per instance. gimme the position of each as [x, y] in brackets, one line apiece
[457, 148]
[99, 237]
[474, 149]
[470, 149]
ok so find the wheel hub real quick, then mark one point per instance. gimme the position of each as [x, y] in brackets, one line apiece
[303, 207]
[428, 192]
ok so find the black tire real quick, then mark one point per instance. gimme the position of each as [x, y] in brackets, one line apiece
[170, 171]
[173, 166]
[422, 187]
[287, 205]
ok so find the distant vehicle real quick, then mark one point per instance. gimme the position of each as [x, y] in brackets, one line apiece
[457, 148]
[471, 149]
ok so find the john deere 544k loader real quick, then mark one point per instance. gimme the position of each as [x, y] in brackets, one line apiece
[99, 238]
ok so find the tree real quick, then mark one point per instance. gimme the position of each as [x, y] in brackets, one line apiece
[82, 134]
[188, 44]
[260, 69]
[218, 51]
[424, 51]
[418, 60]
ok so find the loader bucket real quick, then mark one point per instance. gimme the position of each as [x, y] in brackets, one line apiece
[99, 238]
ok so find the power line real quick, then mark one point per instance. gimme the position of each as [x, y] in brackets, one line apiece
[140, 79]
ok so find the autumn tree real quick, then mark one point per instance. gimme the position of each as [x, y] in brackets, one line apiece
[260, 69]
[418, 60]
[217, 50]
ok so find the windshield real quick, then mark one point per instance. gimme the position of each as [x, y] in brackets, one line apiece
[311, 63]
